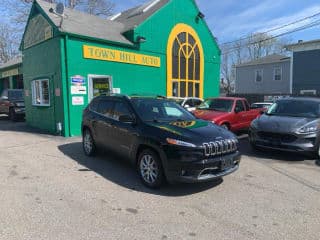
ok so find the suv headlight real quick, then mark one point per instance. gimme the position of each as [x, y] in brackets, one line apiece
[179, 143]
[310, 127]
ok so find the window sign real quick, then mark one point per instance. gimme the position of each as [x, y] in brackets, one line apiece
[77, 101]
[78, 85]
[40, 92]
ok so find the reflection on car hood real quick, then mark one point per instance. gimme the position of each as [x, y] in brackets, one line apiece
[271, 123]
[209, 114]
[197, 131]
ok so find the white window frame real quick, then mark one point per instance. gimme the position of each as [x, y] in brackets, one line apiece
[274, 73]
[256, 73]
[34, 95]
[90, 84]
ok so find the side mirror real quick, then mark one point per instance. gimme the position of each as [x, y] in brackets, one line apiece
[127, 119]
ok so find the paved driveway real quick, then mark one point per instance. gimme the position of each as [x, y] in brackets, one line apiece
[50, 190]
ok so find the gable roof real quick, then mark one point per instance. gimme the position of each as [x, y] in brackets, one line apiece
[11, 63]
[79, 23]
[137, 15]
[304, 46]
[274, 58]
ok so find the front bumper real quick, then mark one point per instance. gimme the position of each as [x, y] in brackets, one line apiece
[190, 167]
[301, 143]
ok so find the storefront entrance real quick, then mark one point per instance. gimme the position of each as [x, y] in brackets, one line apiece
[99, 84]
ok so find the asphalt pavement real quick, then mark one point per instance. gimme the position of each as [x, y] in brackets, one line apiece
[50, 190]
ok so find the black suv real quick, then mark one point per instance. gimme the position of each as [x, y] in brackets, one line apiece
[160, 137]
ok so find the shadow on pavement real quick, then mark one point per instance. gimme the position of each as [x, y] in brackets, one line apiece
[273, 155]
[121, 172]
[18, 126]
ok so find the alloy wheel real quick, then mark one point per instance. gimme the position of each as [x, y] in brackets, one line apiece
[149, 169]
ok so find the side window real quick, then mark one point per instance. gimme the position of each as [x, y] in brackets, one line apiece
[189, 102]
[94, 105]
[105, 108]
[246, 104]
[120, 109]
[40, 92]
[197, 102]
[239, 106]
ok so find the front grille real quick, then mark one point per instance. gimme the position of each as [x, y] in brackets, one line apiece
[282, 137]
[220, 147]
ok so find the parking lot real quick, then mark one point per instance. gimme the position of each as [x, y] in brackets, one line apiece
[50, 190]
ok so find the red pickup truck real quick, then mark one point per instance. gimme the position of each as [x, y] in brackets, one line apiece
[231, 113]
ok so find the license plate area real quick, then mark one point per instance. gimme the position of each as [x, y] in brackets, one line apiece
[226, 163]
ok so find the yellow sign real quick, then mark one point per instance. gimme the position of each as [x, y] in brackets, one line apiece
[111, 55]
[10, 73]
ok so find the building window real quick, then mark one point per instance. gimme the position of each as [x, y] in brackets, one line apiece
[40, 92]
[259, 75]
[277, 75]
[185, 63]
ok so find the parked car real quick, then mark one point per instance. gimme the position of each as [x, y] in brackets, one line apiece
[230, 113]
[265, 105]
[12, 103]
[161, 138]
[189, 103]
[290, 124]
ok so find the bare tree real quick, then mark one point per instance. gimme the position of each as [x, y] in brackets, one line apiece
[97, 7]
[8, 44]
[247, 49]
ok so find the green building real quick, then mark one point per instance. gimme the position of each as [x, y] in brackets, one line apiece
[163, 47]
[11, 74]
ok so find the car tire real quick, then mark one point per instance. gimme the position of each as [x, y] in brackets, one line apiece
[88, 144]
[12, 115]
[150, 169]
[225, 126]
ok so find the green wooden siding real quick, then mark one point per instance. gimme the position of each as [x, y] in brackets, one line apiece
[43, 62]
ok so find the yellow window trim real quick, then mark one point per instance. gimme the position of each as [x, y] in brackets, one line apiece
[179, 28]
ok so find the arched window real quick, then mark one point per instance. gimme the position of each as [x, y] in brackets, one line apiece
[184, 63]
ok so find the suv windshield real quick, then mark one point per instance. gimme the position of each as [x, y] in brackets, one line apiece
[221, 105]
[295, 108]
[160, 110]
[15, 95]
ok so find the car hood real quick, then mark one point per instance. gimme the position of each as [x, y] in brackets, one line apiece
[269, 123]
[209, 114]
[195, 131]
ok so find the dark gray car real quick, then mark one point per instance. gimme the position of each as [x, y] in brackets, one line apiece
[291, 124]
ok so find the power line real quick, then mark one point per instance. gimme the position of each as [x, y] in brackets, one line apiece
[275, 29]
[309, 25]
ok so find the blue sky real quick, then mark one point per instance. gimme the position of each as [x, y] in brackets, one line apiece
[232, 19]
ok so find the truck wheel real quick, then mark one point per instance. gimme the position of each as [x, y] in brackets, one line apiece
[149, 168]
[88, 144]
[12, 115]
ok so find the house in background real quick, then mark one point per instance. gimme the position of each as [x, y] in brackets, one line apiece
[267, 75]
[305, 67]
